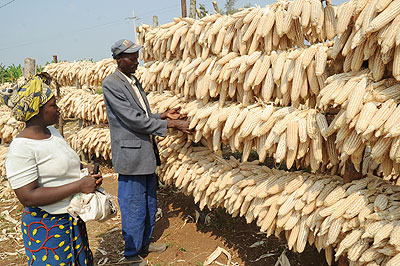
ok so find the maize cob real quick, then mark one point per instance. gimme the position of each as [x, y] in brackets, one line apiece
[366, 115]
[386, 16]
[382, 233]
[355, 100]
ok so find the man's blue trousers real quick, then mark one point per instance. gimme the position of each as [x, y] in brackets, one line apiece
[138, 204]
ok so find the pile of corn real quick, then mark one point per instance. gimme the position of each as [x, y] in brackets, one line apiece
[296, 137]
[369, 32]
[83, 104]
[359, 219]
[9, 126]
[275, 27]
[288, 77]
[86, 72]
[92, 140]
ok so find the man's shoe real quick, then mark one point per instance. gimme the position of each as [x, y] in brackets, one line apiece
[135, 261]
[154, 247]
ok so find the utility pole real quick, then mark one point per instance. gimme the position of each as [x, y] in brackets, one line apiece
[183, 6]
[192, 9]
[135, 38]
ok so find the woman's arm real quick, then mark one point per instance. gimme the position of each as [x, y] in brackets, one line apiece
[33, 195]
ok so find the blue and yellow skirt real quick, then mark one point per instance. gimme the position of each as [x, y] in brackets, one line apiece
[54, 239]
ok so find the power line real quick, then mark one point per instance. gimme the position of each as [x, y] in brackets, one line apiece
[7, 3]
[145, 14]
[66, 35]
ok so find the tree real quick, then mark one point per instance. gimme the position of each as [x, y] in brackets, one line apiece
[203, 11]
[230, 7]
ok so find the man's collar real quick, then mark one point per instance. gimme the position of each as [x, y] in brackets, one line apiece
[130, 79]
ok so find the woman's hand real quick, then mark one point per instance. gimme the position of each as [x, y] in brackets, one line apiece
[88, 184]
[89, 167]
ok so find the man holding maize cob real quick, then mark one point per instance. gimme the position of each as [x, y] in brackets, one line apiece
[134, 150]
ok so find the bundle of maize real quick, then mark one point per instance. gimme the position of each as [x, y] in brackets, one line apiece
[3, 153]
[92, 140]
[83, 104]
[86, 72]
[298, 137]
[368, 30]
[287, 77]
[282, 25]
[9, 126]
[286, 133]
[356, 218]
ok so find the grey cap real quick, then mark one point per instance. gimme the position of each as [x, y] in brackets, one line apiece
[124, 46]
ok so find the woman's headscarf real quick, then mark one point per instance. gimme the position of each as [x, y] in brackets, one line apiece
[26, 100]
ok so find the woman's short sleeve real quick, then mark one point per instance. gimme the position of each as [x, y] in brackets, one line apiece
[20, 165]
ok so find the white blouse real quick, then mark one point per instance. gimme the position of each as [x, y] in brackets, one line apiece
[51, 161]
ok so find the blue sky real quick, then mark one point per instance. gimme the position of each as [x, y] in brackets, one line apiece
[76, 30]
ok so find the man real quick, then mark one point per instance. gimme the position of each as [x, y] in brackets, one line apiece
[134, 150]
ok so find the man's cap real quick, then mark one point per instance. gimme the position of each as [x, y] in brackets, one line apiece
[124, 46]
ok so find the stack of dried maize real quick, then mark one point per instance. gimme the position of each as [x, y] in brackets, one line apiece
[298, 137]
[83, 104]
[286, 133]
[92, 140]
[9, 127]
[369, 31]
[359, 219]
[278, 26]
[285, 77]
[368, 117]
[87, 72]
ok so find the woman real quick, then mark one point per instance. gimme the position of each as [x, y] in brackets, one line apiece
[44, 172]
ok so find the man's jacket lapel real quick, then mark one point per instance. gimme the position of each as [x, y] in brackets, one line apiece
[129, 88]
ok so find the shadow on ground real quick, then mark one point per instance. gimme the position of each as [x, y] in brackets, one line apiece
[236, 233]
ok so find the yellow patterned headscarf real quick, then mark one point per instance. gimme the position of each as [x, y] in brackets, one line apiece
[26, 100]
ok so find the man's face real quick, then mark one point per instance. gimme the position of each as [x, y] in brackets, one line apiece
[128, 63]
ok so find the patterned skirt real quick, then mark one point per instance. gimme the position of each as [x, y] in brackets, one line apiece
[54, 239]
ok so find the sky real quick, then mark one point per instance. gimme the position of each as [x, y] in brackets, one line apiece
[85, 29]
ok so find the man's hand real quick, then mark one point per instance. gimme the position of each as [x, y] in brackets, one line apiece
[172, 114]
[181, 125]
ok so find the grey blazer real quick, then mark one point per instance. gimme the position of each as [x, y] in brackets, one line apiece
[133, 153]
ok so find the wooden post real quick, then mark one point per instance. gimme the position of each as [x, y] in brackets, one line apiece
[60, 123]
[349, 175]
[215, 6]
[192, 9]
[183, 6]
[155, 21]
[29, 67]
[77, 84]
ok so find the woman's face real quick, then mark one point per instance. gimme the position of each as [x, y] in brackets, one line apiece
[50, 111]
